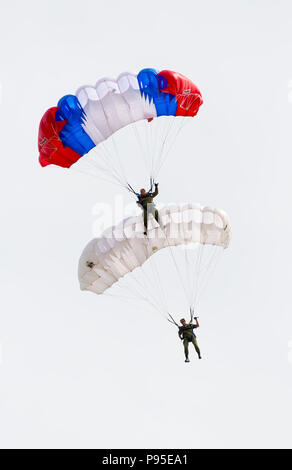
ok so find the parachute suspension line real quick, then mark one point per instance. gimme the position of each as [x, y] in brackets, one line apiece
[133, 288]
[188, 271]
[131, 189]
[91, 172]
[139, 140]
[110, 160]
[171, 320]
[146, 132]
[148, 126]
[188, 263]
[144, 287]
[158, 127]
[152, 285]
[155, 272]
[175, 134]
[165, 126]
[101, 152]
[186, 267]
[157, 130]
[137, 287]
[195, 263]
[154, 131]
[209, 270]
[162, 132]
[95, 163]
[145, 138]
[136, 297]
[182, 124]
[177, 268]
[206, 273]
[149, 294]
[206, 266]
[160, 305]
[209, 257]
[171, 121]
[151, 130]
[140, 295]
[130, 299]
[156, 308]
[143, 284]
[150, 136]
[196, 277]
[120, 160]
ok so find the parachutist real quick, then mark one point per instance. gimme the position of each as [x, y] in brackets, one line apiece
[186, 334]
[145, 201]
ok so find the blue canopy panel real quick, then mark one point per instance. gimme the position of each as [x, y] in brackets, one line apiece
[165, 103]
[73, 135]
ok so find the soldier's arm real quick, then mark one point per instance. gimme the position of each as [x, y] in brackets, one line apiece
[156, 190]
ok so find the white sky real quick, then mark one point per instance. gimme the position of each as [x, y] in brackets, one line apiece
[79, 370]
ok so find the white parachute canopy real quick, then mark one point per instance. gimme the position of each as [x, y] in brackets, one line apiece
[192, 234]
[113, 104]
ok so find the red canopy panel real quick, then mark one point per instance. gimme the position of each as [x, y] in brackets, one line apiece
[50, 145]
[188, 95]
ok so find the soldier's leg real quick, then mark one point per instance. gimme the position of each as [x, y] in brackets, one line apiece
[156, 216]
[145, 219]
[186, 348]
[151, 210]
[194, 341]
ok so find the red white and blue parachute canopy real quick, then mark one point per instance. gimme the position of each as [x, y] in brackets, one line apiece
[82, 121]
